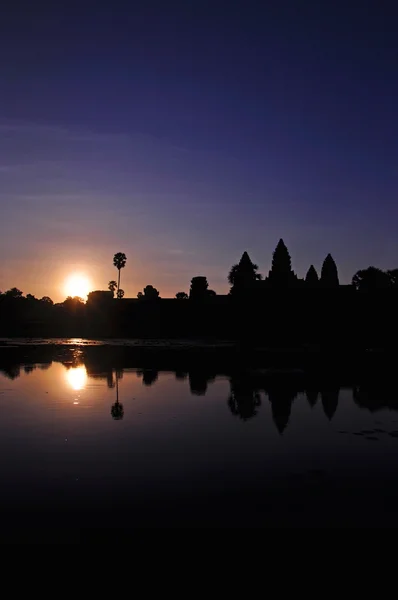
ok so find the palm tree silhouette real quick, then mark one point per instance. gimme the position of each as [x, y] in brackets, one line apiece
[112, 286]
[119, 261]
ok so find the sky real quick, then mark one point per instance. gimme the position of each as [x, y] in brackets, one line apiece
[183, 133]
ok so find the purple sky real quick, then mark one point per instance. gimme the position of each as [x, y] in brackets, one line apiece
[183, 133]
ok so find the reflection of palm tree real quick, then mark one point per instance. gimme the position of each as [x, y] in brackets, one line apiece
[117, 410]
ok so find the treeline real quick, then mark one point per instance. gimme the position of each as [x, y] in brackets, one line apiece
[279, 310]
[331, 318]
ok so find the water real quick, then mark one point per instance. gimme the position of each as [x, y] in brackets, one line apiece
[88, 443]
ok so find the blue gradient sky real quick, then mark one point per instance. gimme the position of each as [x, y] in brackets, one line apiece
[183, 133]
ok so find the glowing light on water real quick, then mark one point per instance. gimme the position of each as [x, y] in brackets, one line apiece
[76, 377]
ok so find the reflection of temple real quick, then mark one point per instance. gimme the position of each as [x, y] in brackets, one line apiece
[245, 398]
[330, 401]
[281, 395]
[374, 391]
[312, 396]
[282, 390]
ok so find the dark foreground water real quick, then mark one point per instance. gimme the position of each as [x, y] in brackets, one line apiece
[89, 450]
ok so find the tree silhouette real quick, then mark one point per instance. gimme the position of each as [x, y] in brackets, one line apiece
[112, 286]
[140, 295]
[73, 303]
[311, 279]
[120, 294]
[393, 276]
[243, 276]
[199, 287]
[329, 275]
[151, 293]
[14, 293]
[119, 261]
[47, 300]
[371, 278]
[281, 273]
[182, 296]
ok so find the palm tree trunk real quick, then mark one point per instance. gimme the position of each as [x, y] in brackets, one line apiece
[118, 281]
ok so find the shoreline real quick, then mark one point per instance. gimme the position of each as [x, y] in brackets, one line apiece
[206, 355]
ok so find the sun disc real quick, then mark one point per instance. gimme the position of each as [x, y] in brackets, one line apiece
[77, 285]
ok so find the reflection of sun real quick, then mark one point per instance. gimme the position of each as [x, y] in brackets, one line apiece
[76, 377]
[77, 285]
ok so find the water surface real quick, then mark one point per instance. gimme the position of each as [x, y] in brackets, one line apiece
[89, 445]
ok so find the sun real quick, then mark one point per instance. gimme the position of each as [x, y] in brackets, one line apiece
[77, 285]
